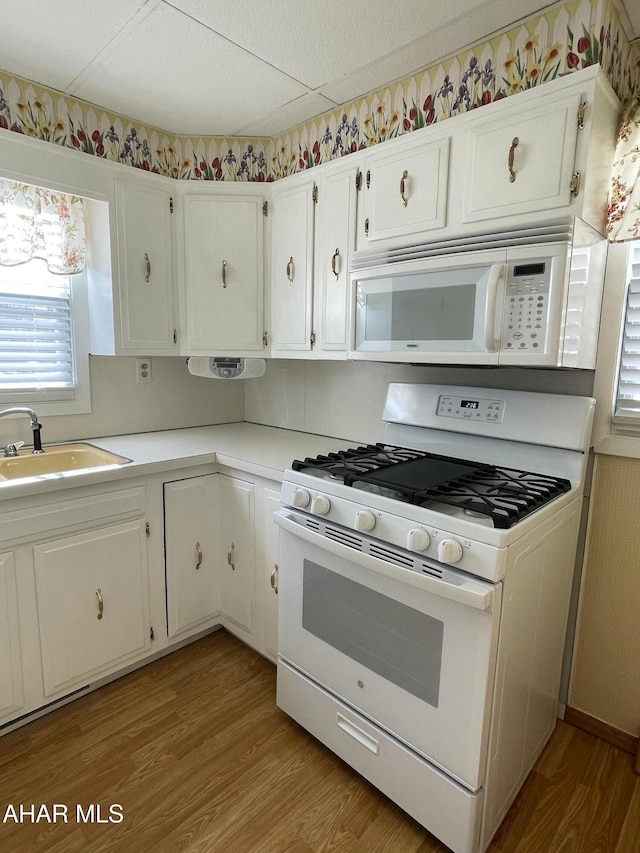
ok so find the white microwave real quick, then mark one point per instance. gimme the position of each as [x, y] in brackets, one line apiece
[535, 305]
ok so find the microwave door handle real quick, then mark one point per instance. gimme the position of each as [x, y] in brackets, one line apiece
[490, 341]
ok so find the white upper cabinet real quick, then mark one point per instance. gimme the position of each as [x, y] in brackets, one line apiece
[223, 289]
[292, 267]
[335, 234]
[142, 268]
[539, 155]
[405, 190]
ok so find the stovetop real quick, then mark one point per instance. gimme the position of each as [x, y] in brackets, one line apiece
[503, 495]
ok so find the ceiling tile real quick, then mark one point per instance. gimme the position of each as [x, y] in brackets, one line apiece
[174, 74]
[51, 43]
[292, 114]
[317, 43]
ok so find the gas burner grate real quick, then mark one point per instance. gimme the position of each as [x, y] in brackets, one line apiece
[505, 495]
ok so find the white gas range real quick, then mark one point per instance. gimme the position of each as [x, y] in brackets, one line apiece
[424, 590]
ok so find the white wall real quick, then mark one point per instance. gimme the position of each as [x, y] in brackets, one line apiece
[346, 399]
[120, 405]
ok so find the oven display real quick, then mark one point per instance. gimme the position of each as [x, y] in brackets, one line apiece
[489, 411]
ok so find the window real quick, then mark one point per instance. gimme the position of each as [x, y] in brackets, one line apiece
[44, 327]
[627, 401]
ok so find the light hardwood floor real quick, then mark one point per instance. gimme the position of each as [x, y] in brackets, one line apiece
[194, 750]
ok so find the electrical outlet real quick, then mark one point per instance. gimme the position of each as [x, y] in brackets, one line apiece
[143, 370]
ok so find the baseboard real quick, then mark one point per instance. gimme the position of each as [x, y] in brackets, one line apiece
[605, 732]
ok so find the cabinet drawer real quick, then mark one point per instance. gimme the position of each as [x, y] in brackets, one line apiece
[449, 811]
[35, 520]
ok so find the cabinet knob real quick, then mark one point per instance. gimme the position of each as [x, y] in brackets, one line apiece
[199, 553]
[403, 186]
[147, 261]
[512, 156]
[224, 273]
[100, 603]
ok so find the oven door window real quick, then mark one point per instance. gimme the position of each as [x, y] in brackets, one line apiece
[392, 639]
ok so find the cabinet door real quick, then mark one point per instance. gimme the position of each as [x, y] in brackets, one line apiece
[405, 191]
[521, 162]
[11, 689]
[145, 302]
[190, 512]
[269, 576]
[224, 239]
[236, 525]
[335, 238]
[292, 274]
[93, 603]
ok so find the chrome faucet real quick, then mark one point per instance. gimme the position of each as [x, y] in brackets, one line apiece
[12, 449]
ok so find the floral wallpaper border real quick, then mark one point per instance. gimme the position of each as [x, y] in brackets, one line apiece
[570, 36]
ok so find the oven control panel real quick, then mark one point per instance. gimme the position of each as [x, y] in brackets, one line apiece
[471, 408]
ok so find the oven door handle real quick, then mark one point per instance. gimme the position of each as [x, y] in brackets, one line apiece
[472, 593]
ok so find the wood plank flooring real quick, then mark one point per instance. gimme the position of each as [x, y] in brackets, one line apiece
[195, 753]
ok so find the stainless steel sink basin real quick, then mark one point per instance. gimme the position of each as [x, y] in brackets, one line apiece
[58, 459]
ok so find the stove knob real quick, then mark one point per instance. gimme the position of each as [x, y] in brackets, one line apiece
[365, 521]
[300, 498]
[449, 551]
[320, 505]
[418, 540]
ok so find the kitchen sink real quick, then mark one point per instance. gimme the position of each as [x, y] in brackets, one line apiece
[58, 459]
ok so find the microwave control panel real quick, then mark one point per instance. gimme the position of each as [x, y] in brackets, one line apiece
[524, 325]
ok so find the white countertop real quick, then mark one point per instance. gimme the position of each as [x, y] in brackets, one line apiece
[260, 450]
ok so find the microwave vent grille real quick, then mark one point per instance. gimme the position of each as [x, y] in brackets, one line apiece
[558, 232]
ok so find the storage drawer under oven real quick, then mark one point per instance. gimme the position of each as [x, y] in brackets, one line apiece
[445, 808]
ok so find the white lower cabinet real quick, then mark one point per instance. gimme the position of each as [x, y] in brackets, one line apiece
[11, 689]
[193, 598]
[88, 576]
[209, 553]
[267, 546]
[93, 603]
[236, 523]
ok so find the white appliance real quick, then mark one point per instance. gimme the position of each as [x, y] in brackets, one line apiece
[424, 587]
[226, 367]
[529, 297]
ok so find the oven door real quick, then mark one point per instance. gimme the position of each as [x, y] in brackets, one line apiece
[414, 654]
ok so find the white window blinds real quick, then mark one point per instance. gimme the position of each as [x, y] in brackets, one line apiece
[36, 336]
[627, 409]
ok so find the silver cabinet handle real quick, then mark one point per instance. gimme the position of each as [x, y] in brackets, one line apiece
[147, 261]
[224, 273]
[334, 263]
[290, 270]
[403, 179]
[230, 557]
[512, 156]
[100, 603]
[199, 553]
[274, 579]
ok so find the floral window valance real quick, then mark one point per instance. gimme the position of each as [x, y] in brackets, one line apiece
[623, 212]
[38, 223]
